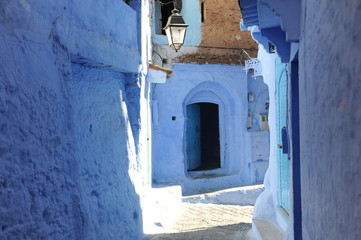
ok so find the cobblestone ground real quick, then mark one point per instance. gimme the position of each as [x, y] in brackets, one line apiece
[210, 222]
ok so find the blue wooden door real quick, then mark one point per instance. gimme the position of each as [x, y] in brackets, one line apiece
[193, 136]
[283, 162]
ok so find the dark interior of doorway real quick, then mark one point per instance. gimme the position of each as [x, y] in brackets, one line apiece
[209, 135]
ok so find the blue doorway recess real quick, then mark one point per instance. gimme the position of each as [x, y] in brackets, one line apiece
[193, 136]
[202, 136]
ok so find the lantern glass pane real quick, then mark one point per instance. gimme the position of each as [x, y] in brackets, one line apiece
[169, 36]
[178, 34]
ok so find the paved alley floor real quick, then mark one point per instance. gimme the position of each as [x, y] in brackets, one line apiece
[209, 222]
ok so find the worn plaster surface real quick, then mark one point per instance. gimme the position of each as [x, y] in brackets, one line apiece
[330, 120]
[66, 140]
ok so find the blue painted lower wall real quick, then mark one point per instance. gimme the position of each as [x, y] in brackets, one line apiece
[330, 120]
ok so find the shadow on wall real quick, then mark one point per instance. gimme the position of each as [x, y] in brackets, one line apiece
[104, 149]
[227, 232]
[38, 193]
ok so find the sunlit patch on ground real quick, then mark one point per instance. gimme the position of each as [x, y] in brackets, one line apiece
[210, 221]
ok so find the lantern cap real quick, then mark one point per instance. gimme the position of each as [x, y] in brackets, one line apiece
[175, 20]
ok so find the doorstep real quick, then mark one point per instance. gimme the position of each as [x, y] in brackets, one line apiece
[265, 230]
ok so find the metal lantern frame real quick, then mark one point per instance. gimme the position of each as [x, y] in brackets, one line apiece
[175, 21]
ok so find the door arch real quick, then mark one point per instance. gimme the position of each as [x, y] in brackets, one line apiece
[211, 98]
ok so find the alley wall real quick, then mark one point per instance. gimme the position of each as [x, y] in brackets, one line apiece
[66, 140]
[330, 120]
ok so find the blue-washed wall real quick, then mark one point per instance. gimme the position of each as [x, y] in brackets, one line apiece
[330, 120]
[38, 173]
[257, 105]
[257, 138]
[65, 137]
[266, 204]
[169, 99]
[103, 151]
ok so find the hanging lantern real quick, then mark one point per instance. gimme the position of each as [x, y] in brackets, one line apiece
[175, 30]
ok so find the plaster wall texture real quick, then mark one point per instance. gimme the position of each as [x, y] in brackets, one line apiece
[266, 206]
[257, 156]
[66, 142]
[257, 140]
[330, 119]
[39, 189]
[168, 135]
[104, 150]
[259, 89]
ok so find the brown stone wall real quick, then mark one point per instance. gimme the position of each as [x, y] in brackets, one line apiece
[221, 25]
[217, 56]
[222, 40]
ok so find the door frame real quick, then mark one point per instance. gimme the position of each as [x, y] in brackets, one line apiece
[229, 122]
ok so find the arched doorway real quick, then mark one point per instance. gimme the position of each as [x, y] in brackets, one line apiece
[211, 120]
[202, 136]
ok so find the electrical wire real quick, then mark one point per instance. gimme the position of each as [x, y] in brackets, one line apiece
[159, 56]
[163, 4]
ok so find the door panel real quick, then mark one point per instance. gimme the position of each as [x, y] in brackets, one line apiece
[193, 136]
[210, 144]
[284, 163]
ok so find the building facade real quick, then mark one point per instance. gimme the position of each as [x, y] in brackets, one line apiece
[210, 127]
[310, 188]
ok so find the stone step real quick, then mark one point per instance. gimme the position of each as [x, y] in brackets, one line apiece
[232, 196]
[265, 230]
